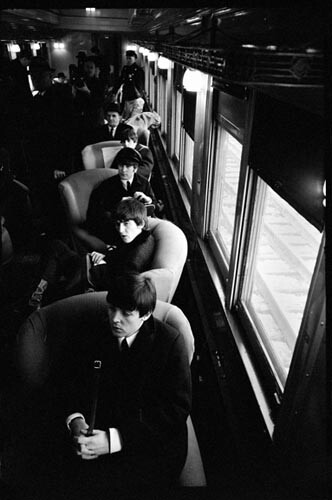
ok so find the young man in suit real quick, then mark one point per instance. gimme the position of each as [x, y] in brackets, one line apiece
[138, 444]
[66, 273]
[104, 199]
[130, 140]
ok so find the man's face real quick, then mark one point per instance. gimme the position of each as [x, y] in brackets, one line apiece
[124, 323]
[41, 81]
[113, 118]
[129, 143]
[126, 172]
[89, 68]
[128, 230]
[130, 60]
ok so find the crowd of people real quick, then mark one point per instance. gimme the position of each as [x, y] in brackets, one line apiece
[137, 444]
[45, 131]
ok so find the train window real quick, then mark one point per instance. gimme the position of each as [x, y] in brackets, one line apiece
[281, 257]
[177, 117]
[162, 101]
[226, 181]
[188, 160]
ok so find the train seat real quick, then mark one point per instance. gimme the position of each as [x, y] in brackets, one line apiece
[52, 330]
[100, 154]
[171, 244]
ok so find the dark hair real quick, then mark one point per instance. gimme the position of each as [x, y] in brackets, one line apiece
[131, 53]
[132, 291]
[129, 134]
[112, 107]
[131, 209]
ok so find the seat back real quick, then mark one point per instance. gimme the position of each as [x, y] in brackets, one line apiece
[44, 341]
[170, 242]
[143, 136]
[100, 154]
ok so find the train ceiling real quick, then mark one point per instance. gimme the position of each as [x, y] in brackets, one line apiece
[275, 47]
[225, 27]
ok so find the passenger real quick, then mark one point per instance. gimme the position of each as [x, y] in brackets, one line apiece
[127, 183]
[130, 140]
[132, 251]
[139, 442]
[113, 130]
[67, 273]
[132, 79]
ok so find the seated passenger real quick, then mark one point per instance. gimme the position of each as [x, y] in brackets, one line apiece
[113, 129]
[138, 445]
[104, 199]
[133, 251]
[129, 139]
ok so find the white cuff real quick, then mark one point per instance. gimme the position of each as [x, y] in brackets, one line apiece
[115, 440]
[72, 417]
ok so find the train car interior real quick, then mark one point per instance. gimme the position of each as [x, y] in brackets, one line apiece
[236, 110]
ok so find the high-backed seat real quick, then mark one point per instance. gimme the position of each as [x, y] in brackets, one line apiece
[100, 154]
[51, 334]
[170, 242]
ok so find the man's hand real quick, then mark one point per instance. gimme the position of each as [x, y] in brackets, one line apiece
[142, 197]
[59, 174]
[97, 258]
[91, 447]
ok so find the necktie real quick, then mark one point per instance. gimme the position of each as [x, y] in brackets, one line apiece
[124, 346]
[112, 132]
[124, 350]
[128, 186]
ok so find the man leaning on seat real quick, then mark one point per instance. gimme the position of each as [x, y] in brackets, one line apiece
[139, 443]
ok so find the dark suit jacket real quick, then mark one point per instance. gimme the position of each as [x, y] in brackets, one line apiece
[104, 200]
[134, 256]
[101, 134]
[146, 396]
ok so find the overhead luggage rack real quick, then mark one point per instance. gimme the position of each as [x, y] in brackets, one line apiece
[252, 65]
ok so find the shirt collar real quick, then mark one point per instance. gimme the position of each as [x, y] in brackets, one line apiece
[129, 340]
[124, 183]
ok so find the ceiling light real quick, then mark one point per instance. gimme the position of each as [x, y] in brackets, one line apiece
[163, 63]
[152, 56]
[194, 81]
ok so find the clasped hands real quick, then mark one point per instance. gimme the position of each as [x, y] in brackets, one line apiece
[89, 447]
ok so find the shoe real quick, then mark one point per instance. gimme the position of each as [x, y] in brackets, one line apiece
[36, 298]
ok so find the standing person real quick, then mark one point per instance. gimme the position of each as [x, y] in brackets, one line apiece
[19, 75]
[50, 142]
[132, 79]
[139, 443]
[127, 183]
[89, 97]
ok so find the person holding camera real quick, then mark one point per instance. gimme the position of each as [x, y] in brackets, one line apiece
[89, 96]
